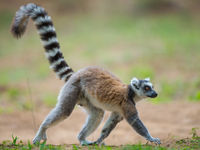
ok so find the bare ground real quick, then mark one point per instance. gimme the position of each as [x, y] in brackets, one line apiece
[169, 121]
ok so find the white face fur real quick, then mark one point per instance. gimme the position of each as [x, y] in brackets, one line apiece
[143, 88]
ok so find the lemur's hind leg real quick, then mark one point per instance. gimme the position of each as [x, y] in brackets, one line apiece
[66, 102]
[95, 115]
[109, 126]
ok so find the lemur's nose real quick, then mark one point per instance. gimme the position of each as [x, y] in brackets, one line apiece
[154, 94]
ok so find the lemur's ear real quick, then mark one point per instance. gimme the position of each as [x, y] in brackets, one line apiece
[147, 79]
[135, 82]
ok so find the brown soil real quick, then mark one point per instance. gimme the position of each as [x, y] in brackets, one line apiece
[169, 121]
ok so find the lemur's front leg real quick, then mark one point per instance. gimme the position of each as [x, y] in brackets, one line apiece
[133, 119]
[109, 126]
[139, 127]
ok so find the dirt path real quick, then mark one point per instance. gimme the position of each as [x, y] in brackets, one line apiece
[163, 121]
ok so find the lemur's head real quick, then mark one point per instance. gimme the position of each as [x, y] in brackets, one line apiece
[143, 88]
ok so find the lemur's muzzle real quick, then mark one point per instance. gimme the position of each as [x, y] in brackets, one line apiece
[153, 94]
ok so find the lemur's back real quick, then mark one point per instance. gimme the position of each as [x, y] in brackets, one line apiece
[101, 85]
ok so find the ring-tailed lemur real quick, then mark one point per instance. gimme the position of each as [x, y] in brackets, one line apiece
[93, 88]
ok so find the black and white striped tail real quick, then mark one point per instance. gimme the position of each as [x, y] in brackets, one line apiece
[47, 34]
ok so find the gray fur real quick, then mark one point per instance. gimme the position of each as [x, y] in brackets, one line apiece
[67, 99]
[110, 124]
[139, 127]
[95, 115]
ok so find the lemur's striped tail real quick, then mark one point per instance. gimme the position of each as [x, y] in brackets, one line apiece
[47, 34]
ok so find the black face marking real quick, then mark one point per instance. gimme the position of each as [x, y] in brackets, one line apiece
[147, 88]
[136, 86]
[142, 82]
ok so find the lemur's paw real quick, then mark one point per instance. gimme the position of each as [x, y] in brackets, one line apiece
[97, 143]
[85, 143]
[37, 140]
[39, 137]
[155, 140]
[100, 144]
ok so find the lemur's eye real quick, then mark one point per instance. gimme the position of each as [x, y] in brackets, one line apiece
[147, 88]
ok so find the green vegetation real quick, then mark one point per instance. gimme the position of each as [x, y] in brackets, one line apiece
[192, 143]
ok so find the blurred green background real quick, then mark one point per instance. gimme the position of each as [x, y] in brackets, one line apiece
[143, 38]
